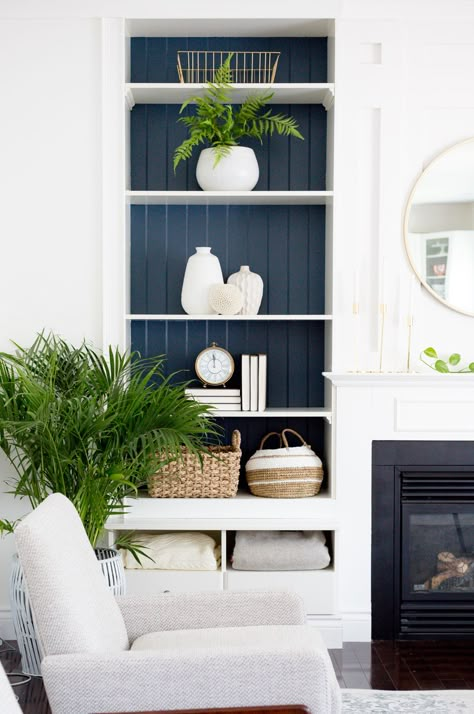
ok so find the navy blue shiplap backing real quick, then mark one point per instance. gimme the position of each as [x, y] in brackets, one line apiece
[295, 352]
[302, 59]
[285, 163]
[283, 244]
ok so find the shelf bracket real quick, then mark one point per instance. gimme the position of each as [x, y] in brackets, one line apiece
[129, 98]
[328, 100]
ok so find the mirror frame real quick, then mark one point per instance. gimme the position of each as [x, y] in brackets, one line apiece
[413, 266]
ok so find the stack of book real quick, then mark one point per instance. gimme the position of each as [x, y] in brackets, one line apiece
[221, 400]
[254, 383]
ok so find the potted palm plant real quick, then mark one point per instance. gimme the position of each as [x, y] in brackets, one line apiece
[93, 427]
[225, 165]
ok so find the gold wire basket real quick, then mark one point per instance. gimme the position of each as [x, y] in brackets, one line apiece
[200, 66]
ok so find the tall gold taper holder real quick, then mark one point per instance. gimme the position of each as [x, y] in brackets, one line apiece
[356, 321]
[383, 312]
[410, 334]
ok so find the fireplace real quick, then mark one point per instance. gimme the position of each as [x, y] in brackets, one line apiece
[423, 540]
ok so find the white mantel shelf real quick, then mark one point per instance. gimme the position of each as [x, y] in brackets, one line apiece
[400, 379]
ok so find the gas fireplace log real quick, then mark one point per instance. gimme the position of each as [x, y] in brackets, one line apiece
[448, 561]
[448, 567]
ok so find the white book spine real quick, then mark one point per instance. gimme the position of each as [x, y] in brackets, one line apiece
[262, 382]
[254, 383]
[217, 400]
[204, 392]
[245, 369]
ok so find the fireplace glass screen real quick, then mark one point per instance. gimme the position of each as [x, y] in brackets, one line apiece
[439, 557]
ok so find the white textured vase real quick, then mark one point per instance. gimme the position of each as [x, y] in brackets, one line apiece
[238, 171]
[202, 270]
[251, 286]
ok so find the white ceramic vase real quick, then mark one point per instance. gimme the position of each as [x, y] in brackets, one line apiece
[251, 286]
[202, 270]
[238, 171]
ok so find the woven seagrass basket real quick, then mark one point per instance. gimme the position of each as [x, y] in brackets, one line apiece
[185, 478]
[288, 472]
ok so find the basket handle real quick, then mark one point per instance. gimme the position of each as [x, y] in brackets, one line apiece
[271, 433]
[236, 439]
[292, 431]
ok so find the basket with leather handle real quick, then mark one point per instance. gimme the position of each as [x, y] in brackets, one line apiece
[286, 472]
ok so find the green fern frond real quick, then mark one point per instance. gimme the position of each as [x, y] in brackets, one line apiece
[221, 124]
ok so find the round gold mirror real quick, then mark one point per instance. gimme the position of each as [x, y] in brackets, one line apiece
[439, 227]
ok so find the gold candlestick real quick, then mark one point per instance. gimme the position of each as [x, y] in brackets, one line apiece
[410, 334]
[355, 313]
[383, 312]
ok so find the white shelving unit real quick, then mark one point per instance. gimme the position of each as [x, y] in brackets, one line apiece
[245, 512]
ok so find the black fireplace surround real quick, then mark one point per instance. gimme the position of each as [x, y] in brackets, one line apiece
[423, 540]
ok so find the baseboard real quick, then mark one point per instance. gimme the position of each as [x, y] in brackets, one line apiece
[356, 626]
[6, 625]
[330, 627]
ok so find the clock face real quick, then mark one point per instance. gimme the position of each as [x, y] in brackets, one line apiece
[214, 365]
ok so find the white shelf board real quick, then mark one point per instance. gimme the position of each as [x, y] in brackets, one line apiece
[220, 198]
[235, 318]
[177, 93]
[243, 511]
[320, 412]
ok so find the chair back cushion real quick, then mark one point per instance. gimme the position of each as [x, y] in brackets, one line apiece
[73, 608]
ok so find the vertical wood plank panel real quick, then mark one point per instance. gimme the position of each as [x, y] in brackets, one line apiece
[157, 259]
[138, 260]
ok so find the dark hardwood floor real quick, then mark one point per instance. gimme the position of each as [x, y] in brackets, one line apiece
[359, 665]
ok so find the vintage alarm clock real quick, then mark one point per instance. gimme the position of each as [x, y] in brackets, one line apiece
[214, 365]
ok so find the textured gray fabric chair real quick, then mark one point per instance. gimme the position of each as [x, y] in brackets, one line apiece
[8, 702]
[183, 651]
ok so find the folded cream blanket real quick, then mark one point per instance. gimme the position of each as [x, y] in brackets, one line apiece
[280, 550]
[175, 551]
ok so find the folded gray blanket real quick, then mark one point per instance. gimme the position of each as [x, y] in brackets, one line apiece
[280, 550]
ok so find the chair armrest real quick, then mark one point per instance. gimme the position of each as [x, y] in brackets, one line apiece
[188, 611]
[191, 679]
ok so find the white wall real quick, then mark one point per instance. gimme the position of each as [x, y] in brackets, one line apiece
[50, 188]
[403, 94]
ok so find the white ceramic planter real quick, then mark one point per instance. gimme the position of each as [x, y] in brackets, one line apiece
[202, 270]
[238, 171]
[251, 286]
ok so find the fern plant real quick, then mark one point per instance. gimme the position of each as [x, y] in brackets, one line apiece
[222, 125]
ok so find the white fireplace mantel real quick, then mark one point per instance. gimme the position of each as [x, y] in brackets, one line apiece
[401, 379]
[368, 407]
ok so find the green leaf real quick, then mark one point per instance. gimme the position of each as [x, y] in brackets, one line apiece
[441, 366]
[455, 358]
[471, 367]
[430, 352]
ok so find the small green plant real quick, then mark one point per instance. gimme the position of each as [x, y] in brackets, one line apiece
[444, 366]
[221, 124]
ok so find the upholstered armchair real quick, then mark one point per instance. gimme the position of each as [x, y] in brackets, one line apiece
[8, 702]
[170, 651]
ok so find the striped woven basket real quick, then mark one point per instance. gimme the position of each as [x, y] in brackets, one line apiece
[287, 472]
[185, 478]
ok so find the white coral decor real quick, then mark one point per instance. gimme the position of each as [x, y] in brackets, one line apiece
[226, 299]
